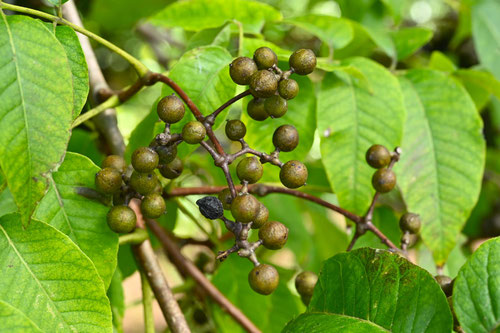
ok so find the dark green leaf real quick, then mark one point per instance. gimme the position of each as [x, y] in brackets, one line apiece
[116, 299]
[329, 322]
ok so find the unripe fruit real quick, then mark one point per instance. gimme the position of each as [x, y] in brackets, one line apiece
[293, 174]
[302, 61]
[305, 282]
[121, 219]
[256, 109]
[249, 169]
[264, 279]
[193, 132]
[235, 129]
[143, 183]
[288, 88]
[245, 208]
[226, 198]
[286, 138]
[108, 180]
[170, 109]
[173, 169]
[210, 207]
[115, 162]
[276, 106]
[263, 84]
[265, 58]
[410, 222]
[377, 156]
[166, 153]
[145, 159]
[262, 217]
[384, 180]
[153, 206]
[241, 69]
[273, 234]
[446, 284]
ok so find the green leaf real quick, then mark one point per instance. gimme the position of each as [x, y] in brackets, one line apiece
[7, 204]
[477, 290]
[197, 15]
[383, 288]
[442, 164]
[335, 32]
[251, 44]
[14, 321]
[36, 103]
[57, 3]
[117, 299]
[385, 220]
[47, 278]
[441, 62]
[213, 36]
[409, 40]
[484, 80]
[486, 34]
[330, 322]
[81, 219]
[350, 120]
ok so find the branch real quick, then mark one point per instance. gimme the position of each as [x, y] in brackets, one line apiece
[187, 268]
[229, 102]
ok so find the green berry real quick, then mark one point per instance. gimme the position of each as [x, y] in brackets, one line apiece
[276, 106]
[446, 284]
[241, 69]
[226, 198]
[143, 183]
[256, 109]
[286, 138]
[153, 206]
[121, 219]
[264, 279]
[265, 58]
[166, 153]
[384, 180]
[303, 61]
[273, 235]
[261, 218]
[193, 132]
[235, 129]
[115, 162]
[144, 159]
[288, 88]
[293, 174]
[263, 84]
[245, 208]
[410, 222]
[108, 180]
[305, 282]
[249, 169]
[173, 169]
[377, 156]
[170, 109]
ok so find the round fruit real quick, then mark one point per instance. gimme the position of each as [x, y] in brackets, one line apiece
[153, 206]
[121, 219]
[264, 279]
[241, 69]
[273, 234]
[249, 169]
[286, 138]
[446, 284]
[166, 153]
[256, 109]
[115, 162]
[265, 58]
[193, 132]
[170, 109]
[410, 222]
[245, 208]
[384, 180]
[293, 174]
[235, 129]
[377, 156]
[305, 282]
[288, 88]
[263, 84]
[210, 207]
[173, 169]
[261, 218]
[108, 180]
[302, 61]
[145, 159]
[226, 198]
[143, 183]
[276, 106]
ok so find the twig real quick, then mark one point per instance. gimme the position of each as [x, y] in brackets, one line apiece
[147, 305]
[229, 102]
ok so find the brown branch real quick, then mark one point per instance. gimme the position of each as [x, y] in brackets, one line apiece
[229, 102]
[189, 269]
